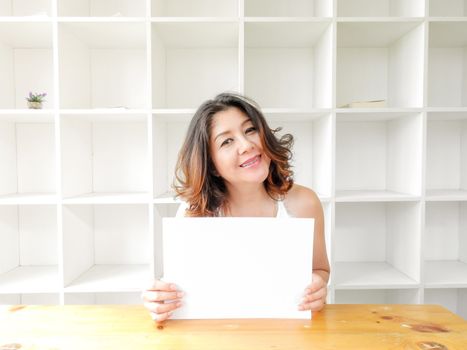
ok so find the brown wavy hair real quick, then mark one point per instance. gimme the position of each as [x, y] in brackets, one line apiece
[196, 179]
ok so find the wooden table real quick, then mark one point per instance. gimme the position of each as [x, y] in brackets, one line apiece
[425, 327]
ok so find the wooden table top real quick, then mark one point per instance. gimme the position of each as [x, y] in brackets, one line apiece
[425, 327]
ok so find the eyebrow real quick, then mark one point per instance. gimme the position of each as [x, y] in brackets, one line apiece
[227, 131]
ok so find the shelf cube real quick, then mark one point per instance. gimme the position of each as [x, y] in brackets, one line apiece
[294, 59]
[28, 249]
[26, 63]
[107, 248]
[193, 62]
[102, 65]
[377, 245]
[104, 155]
[454, 300]
[373, 64]
[378, 155]
[447, 64]
[446, 155]
[27, 158]
[445, 244]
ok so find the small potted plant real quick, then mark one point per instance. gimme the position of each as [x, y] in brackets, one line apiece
[35, 100]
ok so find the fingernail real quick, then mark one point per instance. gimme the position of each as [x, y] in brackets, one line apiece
[169, 314]
[180, 294]
[179, 304]
[173, 287]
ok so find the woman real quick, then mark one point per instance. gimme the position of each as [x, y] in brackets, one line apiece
[232, 164]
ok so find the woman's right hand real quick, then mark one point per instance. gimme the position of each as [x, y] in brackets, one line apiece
[161, 299]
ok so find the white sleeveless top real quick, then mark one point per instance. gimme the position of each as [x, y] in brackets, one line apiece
[281, 210]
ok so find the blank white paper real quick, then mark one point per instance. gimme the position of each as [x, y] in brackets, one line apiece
[239, 267]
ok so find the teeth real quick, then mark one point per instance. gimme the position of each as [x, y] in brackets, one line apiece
[249, 163]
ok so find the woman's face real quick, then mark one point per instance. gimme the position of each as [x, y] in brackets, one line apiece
[236, 149]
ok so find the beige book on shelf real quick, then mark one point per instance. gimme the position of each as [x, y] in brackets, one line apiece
[365, 104]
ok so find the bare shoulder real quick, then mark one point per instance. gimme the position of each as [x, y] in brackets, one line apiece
[303, 202]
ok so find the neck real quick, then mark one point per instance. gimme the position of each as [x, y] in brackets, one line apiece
[249, 200]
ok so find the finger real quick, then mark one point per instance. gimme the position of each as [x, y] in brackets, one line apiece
[313, 306]
[161, 317]
[150, 295]
[316, 284]
[320, 294]
[162, 286]
[159, 308]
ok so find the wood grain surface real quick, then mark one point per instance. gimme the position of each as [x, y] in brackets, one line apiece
[87, 327]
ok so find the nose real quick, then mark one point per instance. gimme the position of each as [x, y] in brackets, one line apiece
[244, 145]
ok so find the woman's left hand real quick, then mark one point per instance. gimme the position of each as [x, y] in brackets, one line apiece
[315, 294]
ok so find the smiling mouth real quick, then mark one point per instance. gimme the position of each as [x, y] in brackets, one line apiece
[251, 162]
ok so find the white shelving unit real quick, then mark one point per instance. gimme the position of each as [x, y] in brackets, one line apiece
[86, 181]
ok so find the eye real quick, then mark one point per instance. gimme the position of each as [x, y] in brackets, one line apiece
[250, 130]
[226, 142]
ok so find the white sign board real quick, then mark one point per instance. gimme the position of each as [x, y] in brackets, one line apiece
[238, 267]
